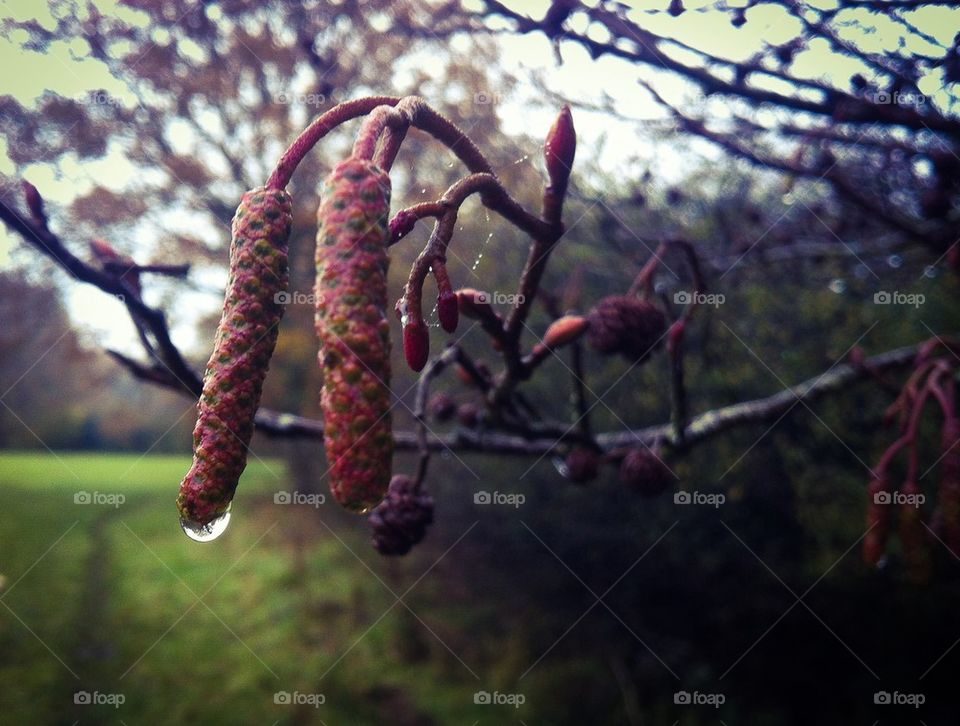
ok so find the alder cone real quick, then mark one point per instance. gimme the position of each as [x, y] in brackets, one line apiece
[400, 521]
[442, 407]
[582, 465]
[468, 414]
[644, 472]
[626, 325]
[244, 343]
[351, 323]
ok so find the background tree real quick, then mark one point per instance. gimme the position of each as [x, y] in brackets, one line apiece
[798, 265]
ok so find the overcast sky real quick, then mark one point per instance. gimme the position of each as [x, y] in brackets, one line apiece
[579, 76]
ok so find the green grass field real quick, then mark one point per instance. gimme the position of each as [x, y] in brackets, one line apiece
[112, 598]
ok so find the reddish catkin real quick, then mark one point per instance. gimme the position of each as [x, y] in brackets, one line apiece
[878, 521]
[949, 491]
[914, 535]
[243, 345]
[354, 333]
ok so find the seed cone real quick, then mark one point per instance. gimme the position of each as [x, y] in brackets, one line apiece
[351, 323]
[243, 345]
[626, 325]
[442, 407]
[582, 465]
[643, 471]
[401, 519]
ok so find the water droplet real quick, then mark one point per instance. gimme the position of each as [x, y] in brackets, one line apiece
[838, 286]
[560, 464]
[894, 261]
[930, 271]
[476, 262]
[206, 532]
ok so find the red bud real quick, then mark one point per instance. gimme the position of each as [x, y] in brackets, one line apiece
[474, 303]
[559, 150]
[34, 200]
[565, 330]
[448, 310]
[104, 251]
[416, 344]
[463, 374]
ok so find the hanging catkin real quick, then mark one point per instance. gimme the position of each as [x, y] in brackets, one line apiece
[351, 322]
[244, 342]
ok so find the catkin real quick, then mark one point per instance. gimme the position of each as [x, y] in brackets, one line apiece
[243, 345]
[354, 332]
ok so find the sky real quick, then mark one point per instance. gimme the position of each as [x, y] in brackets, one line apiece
[60, 70]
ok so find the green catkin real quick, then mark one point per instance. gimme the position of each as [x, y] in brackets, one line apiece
[354, 332]
[243, 345]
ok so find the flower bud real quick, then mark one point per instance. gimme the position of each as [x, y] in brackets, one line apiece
[560, 149]
[474, 304]
[644, 472]
[416, 344]
[448, 310]
[34, 201]
[565, 330]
